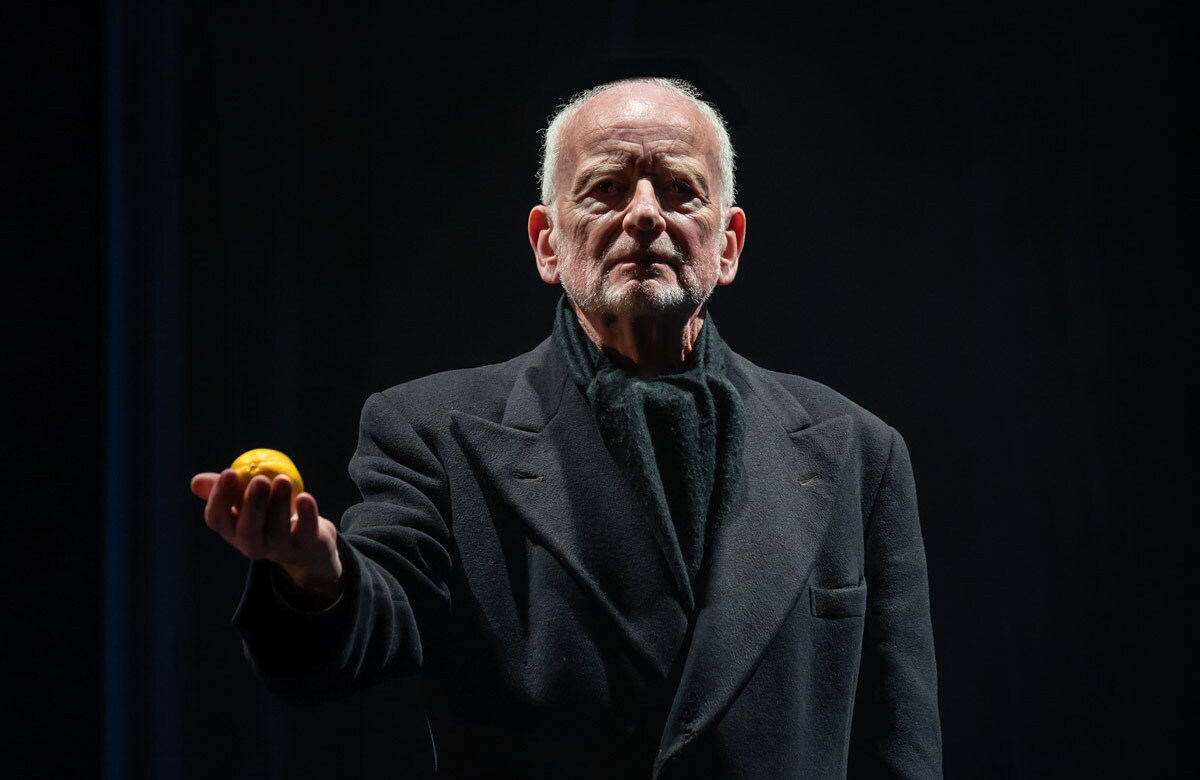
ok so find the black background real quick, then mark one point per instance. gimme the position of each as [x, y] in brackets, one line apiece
[230, 223]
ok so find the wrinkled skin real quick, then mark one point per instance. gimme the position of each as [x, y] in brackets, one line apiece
[638, 236]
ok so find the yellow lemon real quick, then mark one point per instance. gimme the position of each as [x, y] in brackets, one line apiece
[268, 463]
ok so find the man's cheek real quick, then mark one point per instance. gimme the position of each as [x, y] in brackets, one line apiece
[579, 233]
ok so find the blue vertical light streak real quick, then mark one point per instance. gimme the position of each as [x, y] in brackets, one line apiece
[159, 226]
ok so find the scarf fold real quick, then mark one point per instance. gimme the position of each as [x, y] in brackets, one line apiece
[677, 439]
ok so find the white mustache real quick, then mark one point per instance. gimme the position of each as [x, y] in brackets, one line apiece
[662, 249]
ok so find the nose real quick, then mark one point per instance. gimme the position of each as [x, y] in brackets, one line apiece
[644, 217]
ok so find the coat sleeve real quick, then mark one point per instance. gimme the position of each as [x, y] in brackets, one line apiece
[896, 730]
[395, 552]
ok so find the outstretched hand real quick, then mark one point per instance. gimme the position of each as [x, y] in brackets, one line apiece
[259, 522]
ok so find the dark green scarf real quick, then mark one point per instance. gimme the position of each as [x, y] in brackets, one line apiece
[677, 438]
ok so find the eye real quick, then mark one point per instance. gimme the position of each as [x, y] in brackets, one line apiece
[606, 187]
[680, 187]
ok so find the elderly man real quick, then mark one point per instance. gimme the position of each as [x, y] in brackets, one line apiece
[629, 552]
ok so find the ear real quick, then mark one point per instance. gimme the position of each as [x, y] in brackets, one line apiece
[542, 239]
[735, 238]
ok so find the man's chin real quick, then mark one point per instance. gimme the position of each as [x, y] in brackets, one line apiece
[640, 298]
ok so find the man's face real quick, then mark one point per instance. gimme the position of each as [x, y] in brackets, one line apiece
[637, 228]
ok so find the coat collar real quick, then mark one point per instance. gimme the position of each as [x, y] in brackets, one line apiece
[547, 458]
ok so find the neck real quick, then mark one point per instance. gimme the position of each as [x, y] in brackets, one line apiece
[647, 346]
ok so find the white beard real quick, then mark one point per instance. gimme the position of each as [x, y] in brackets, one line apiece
[643, 297]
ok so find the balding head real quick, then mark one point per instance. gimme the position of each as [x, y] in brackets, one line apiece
[635, 223]
[658, 93]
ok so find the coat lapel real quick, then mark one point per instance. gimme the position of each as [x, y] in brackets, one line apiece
[762, 555]
[547, 461]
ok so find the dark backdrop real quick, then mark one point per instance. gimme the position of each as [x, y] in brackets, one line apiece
[229, 224]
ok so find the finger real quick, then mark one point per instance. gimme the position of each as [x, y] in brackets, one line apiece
[203, 484]
[304, 533]
[278, 520]
[252, 516]
[218, 512]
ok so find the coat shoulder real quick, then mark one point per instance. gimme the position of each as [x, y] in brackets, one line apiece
[482, 391]
[823, 403]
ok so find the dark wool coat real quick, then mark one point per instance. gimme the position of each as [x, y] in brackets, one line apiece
[499, 549]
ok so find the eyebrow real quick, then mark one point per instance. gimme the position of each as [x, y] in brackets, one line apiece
[672, 166]
[602, 168]
[688, 170]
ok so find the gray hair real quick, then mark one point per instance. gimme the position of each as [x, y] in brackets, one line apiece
[552, 138]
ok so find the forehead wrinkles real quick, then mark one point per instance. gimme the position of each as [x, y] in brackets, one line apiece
[604, 131]
[615, 122]
[671, 147]
[640, 160]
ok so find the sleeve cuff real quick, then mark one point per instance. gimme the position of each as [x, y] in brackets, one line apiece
[297, 600]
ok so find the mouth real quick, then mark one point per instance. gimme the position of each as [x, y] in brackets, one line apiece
[642, 263]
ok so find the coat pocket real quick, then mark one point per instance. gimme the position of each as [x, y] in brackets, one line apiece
[839, 602]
